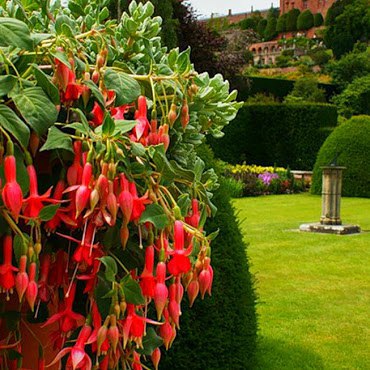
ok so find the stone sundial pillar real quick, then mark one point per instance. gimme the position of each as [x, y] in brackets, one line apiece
[331, 195]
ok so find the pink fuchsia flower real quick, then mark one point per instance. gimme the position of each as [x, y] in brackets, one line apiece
[74, 172]
[68, 320]
[142, 127]
[78, 359]
[12, 193]
[147, 281]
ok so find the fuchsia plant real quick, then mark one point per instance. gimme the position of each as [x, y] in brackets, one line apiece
[103, 197]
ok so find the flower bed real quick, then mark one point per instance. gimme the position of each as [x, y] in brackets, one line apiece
[258, 180]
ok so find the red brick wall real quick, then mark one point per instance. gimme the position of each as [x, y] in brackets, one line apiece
[316, 6]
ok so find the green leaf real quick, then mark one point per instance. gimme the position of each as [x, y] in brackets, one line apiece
[61, 21]
[123, 126]
[14, 32]
[182, 173]
[76, 8]
[183, 61]
[108, 125]
[104, 14]
[48, 212]
[95, 91]
[155, 214]
[82, 126]
[138, 150]
[11, 123]
[61, 57]
[162, 163]
[36, 108]
[7, 83]
[127, 88]
[20, 246]
[183, 202]
[44, 81]
[132, 290]
[110, 268]
[151, 341]
[57, 140]
[102, 289]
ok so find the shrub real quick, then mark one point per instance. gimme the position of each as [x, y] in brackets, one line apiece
[261, 27]
[281, 23]
[283, 61]
[291, 21]
[270, 31]
[285, 134]
[305, 20]
[319, 56]
[355, 99]
[318, 20]
[306, 90]
[223, 327]
[351, 143]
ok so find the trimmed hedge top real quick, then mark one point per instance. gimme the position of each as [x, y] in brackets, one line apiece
[277, 134]
[351, 142]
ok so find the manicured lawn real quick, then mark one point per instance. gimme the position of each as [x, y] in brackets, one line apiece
[314, 289]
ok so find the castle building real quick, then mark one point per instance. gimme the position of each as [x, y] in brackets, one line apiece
[316, 6]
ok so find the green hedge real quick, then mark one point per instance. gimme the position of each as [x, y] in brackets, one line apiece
[280, 88]
[318, 20]
[282, 134]
[351, 142]
[219, 332]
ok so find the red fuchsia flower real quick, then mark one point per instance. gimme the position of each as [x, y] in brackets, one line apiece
[58, 276]
[68, 320]
[92, 276]
[167, 331]
[142, 127]
[44, 290]
[193, 291]
[31, 291]
[74, 172]
[194, 218]
[163, 136]
[136, 364]
[73, 92]
[125, 199]
[112, 206]
[156, 357]
[98, 115]
[83, 192]
[174, 306]
[180, 262]
[78, 359]
[153, 138]
[22, 280]
[138, 203]
[147, 281]
[35, 202]
[160, 289]
[7, 270]
[119, 112]
[12, 192]
[61, 214]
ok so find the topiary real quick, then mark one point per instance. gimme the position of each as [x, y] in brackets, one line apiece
[223, 326]
[318, 20]
[281, 23]
[261, 27]
[305, 20]
[351, 142]
[291, 21]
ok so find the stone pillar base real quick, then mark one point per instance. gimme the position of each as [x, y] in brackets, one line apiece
[330, 229]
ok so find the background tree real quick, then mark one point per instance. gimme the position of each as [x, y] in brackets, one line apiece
[281, 23]
[270, 30]
[291, 21]
[305, 20]
[347, 23]
[318, 20]
[261, 27]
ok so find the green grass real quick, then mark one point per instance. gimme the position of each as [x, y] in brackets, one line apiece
[313, 289]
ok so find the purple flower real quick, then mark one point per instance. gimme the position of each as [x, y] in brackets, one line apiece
[267, 177]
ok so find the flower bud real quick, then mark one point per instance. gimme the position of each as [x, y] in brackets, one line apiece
[193, 290]
[22, 280]
[204, 282]
[156, 357]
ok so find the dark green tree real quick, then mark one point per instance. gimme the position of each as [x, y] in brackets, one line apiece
[305, 20]
[270, 30]
[291, 21]
[261, 27]
[318, 20]
[347, 23]
[281, 23]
